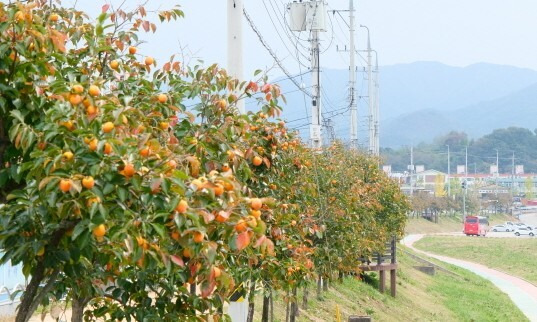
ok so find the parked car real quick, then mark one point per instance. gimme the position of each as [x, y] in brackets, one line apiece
[522, 225]
[510, 225]
[500, 228]
[523, 231]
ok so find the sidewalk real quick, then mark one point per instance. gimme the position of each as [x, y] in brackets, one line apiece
[521, 292]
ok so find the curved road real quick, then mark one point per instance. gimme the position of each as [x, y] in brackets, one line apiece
[521, 292]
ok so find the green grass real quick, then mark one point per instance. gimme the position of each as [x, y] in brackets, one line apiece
[420, 298]
[516, 256]
[446, 224]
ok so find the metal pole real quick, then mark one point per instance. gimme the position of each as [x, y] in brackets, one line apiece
[448, 172]
[234, 43]
[411, 169]
[315, 129]
[466, 170]
[352, 76]
[465, 183]
[377, 106]
[370, 93]
[513, 174]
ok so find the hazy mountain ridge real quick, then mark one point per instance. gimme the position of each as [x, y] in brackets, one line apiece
[422, 100]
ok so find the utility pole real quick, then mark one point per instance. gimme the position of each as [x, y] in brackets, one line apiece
[315, 130]
[411, 170]
[310, 16]
[513, 174]
[448, 172]
[234, 43]
[352, 81]
[465, 183]
[238, 311]
[370, 93]
[376, 114]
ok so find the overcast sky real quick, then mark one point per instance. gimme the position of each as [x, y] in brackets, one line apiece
[453, 32]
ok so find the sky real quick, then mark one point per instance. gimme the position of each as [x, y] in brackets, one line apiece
[453, 32]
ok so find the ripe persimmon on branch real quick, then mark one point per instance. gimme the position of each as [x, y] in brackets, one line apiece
[120, 199]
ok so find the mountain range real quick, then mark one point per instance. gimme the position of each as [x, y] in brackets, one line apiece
[422, 100]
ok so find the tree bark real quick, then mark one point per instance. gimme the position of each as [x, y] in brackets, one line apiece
[78, 309]
[31, 298]
[266, 304]
[294, 306]
[271, 307]
[325, 284]
[251, 302]
[305, 298]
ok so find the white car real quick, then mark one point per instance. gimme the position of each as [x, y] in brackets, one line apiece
[522, 225]
[523, 231]
[510, 225]
[500, 228]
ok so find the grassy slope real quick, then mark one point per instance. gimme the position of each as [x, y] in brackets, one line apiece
[515, 256]
[420, 298]
[446, 224]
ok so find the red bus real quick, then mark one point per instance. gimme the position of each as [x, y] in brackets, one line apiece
[475, 225]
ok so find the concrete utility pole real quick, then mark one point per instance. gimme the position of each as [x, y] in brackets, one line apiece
[513, 173]
[411, 170]
[376, 114]
[352, 80]
[370, 94]
[448, 172]
[465, 183]
[238, 311]
[234, 43]
[315, 127]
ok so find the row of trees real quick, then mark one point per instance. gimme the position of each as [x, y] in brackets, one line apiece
[141, 204]
[481, 151]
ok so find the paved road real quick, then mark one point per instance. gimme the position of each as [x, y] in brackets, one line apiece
[521, 292]
[529, 219]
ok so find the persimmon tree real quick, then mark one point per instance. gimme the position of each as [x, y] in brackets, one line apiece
[110, 199]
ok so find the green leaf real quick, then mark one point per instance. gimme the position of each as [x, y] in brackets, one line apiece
[17, 114]
[122, 193]
[159, 229]
[103, 210]
[108, 188]
[80, 228]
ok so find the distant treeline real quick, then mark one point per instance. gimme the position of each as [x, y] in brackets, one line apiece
[481, 152]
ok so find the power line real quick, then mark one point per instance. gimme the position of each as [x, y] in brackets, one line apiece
[279, 35]
[271, 52]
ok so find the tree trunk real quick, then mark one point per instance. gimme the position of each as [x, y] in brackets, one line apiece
[319, 283]
[271, 307]
[305, 298]
[23, 311]
[31, 298]
[78, 309]
[266, 304]
[325, 284]
[251, 302]
[294, 306]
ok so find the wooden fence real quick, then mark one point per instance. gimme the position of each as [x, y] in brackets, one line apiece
[381, 263]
